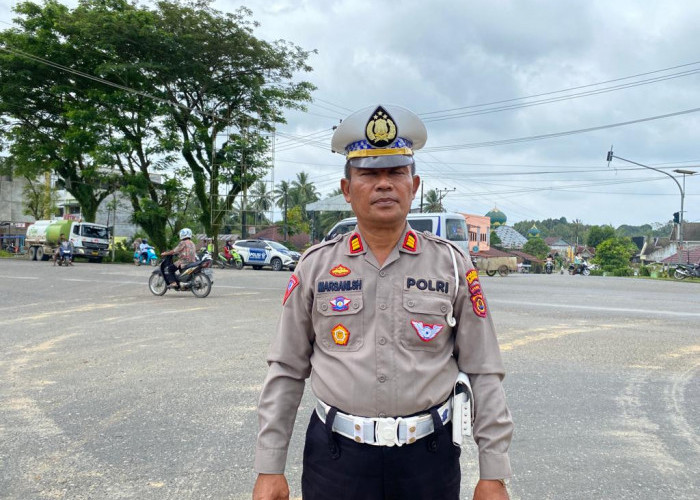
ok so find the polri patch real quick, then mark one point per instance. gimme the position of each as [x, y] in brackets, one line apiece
[409, 242]
[340, 334]
[339, 271]
[479, 305]
[475, 293]
[426, 332]
[356, 244]
[340, 303]
[293, 283]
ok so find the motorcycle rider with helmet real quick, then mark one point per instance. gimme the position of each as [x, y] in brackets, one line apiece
[186, 252]
[143, 249]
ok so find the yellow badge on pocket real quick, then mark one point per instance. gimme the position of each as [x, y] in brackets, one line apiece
[341, 335]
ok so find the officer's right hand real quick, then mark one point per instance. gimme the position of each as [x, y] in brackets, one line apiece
[271, 487]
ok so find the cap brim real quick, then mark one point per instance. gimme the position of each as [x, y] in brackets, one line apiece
[387, 161]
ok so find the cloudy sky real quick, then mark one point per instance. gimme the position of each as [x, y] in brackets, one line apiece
[522, 99]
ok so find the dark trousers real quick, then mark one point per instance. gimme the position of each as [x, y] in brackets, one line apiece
[337, 468]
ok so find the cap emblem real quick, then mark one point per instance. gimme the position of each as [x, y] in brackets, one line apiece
[381, 129]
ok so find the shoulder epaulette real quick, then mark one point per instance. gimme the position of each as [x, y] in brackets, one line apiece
[318, 246]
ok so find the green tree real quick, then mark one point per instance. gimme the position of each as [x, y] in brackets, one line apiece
[536, 247]
[40, 200]
[615, 253]
[262, 200]
[303, 192]
[495, 240]
[432, 202]
[51, 122]
[598, 234]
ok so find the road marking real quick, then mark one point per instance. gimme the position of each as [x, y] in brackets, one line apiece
[59, 312]
[529, 339]
[20, 277]
[596, 308]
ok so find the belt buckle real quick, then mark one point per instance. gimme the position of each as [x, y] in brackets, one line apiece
[386, 432]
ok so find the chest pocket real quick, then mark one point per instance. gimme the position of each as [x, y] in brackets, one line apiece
[425, 327]
[338, 321]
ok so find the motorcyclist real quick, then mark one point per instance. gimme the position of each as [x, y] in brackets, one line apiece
[578, 263]
[186, 252]
[550, 261]
[143, 249]
[65, 247]
[228, 252]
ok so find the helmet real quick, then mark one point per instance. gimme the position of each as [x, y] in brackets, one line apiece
[185, 233]
[144, 240]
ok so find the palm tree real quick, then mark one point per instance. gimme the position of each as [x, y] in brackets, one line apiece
[262, 200]
[303, 192]
[282, 194]
[433, 202]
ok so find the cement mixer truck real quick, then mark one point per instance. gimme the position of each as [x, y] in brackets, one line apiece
[89, 240]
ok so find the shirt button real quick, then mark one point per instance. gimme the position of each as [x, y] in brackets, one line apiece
[324, 307]
[382, 379]
[382, 341]
[443, 308]
[382, 273]
[382, 415]
[355, 305]
[411, 303]
[382, 306]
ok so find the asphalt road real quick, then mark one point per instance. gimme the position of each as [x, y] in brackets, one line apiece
[108, 392]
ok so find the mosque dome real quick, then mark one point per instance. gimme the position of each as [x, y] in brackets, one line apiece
[533, 232]
[497, 217]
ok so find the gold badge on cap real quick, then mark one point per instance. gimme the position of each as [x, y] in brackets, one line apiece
[381, 128]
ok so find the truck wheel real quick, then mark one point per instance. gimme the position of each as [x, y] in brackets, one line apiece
[503, 271]
[39, 253]
[277, 264]
[32, 253]
[491, 273]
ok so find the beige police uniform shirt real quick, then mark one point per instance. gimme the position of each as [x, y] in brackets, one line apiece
[377, 342]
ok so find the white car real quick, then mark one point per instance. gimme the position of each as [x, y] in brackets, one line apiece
[260, 253]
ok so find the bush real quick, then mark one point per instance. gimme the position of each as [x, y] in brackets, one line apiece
[597, 272]
[623, 271]
[644, 271]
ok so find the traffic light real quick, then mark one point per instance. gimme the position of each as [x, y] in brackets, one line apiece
[676, 217]
[610, 156]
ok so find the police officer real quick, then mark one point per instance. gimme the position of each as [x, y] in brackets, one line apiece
[383, 320]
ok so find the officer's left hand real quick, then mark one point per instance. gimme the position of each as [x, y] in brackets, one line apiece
[490, 490]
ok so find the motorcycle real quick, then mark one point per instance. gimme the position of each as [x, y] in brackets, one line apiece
[583, 269]
[196, 277]
[684, 271]
[549, 267]
[65, 257]
[235, 262]
[147, 258]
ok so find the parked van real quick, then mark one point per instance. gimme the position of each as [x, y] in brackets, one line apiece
[450, 226]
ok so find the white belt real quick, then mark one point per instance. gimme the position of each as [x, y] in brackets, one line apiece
[385, 431]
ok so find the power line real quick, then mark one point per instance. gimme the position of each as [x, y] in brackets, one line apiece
[503, 101]
[503, 142]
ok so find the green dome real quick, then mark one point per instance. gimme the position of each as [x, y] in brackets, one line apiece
[533, 231]
[497, 217]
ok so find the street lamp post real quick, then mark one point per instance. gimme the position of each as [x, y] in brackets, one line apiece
[681, 189]
[681, 234]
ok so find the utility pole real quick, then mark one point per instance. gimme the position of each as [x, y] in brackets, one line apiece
[609, 158]
[442, 193]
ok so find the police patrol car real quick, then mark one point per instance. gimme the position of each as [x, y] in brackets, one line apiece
[260, 253]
